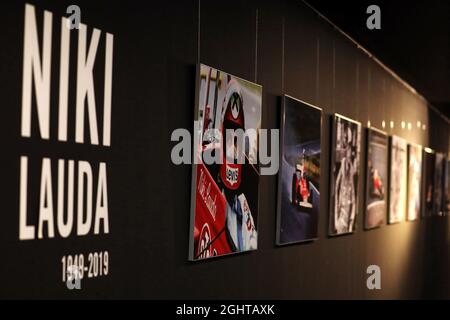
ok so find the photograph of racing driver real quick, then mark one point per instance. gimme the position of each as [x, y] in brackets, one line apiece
[299, 175]
[398, 180]
[345, 171]
[414, 181]
[225, 191]
[376, 178]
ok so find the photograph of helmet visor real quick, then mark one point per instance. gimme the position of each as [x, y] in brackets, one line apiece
[376, 178]
[299, 176]
[414, 181]
[398, 180]
[344, 174]
[226, 173]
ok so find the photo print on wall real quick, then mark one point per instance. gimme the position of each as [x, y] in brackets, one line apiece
[438, 203]
[344, 175]
[376, 178]
[224, 207]
[398, 180]
[429, 163]
[299, 175]
[447, 186]
[414, 181]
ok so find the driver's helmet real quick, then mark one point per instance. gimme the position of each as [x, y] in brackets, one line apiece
[232, 118]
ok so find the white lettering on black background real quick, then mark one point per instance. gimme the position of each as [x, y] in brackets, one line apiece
[57, 217]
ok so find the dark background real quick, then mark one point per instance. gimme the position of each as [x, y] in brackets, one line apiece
[282, 45]
[413, 40]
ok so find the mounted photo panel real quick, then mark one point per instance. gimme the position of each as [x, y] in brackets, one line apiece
[398, 180]
[429, 163]
[438, 204]
[376, 178]
[344, 175]
[224, 204]
[299, 175]
[447, 187]
[414, 181]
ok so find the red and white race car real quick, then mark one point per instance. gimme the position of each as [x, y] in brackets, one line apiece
[301, 195]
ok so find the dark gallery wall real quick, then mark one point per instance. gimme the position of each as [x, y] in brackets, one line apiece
[288, 49]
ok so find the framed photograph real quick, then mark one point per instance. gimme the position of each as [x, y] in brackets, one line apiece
[225, 177]
[414, 181]
[376, 178]
[429, 165]
[438, 204]
[447, 186]
[398, 180]
[299, 175]
[344, 175]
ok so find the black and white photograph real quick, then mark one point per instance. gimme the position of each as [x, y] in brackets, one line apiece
[414, 181]
[344, 175]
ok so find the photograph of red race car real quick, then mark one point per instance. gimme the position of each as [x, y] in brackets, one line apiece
[398, 180]
[224, 208]
[376, 178]
[299, 175]
[301, 194]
